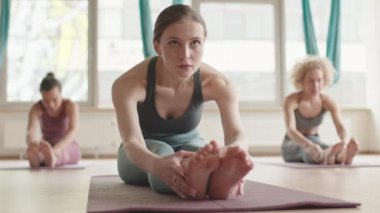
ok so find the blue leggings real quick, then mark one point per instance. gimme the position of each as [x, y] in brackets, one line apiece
[162, 145]
[292, 152]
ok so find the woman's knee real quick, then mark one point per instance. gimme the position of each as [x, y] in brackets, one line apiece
[127, 171]
[122, 169]
[306, 158]
[69, 155]
[292, 157]
[159, 148]
[193, 145]
[132, 175]
[157, 185]
[74, 153]
[290, 153]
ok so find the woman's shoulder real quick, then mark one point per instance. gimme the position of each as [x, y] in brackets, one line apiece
[292, 97]
[210, 75]
[326, 97]
[136, 71]
[328, 102]
[215, 85]
[36, 108]
[133, 76]
[69, 102]
[209, 70]
[70, 106]
[291, 100]
[133, 80]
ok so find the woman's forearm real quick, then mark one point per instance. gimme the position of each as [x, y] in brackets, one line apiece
[140, 156]
[31, 137]
[342, 133]
[236, 139]
[298, 138]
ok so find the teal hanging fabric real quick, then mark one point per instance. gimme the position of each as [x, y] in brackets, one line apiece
[333, 36]
[4, 28]
[308, 29]
[146, 29]
[178, 1]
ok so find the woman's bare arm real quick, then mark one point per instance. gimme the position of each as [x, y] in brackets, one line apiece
[336, 115]
[33, 124]
[227, 100]
[125, 96]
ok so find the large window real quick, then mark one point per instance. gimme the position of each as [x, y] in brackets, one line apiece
[242, 42]
[254, 42]
[119, 40]
[47, 36]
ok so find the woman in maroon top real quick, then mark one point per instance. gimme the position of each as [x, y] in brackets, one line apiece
[58, 119]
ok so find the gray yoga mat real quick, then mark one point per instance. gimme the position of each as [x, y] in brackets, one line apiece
[278, 161]
[110, 194]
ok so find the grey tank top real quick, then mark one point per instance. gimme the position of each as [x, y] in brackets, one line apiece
[308, 123]
[152, 122]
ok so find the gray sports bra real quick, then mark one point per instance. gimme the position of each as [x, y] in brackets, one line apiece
[308, 123]
[152, 122]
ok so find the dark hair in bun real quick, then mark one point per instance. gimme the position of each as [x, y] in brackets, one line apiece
[49, 82]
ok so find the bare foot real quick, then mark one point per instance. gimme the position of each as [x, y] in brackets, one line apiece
[352, 149]
[235, 164]
[48, 153]
[198, 170]
[210, 148]
[32, 154]
[200, 166]
[330, 154]
[341, 156]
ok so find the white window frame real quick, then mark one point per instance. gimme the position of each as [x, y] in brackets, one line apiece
[279, 39]
[281, 80]
[92, 75]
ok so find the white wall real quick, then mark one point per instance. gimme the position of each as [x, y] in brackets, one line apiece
[372, 17]
[98, 133]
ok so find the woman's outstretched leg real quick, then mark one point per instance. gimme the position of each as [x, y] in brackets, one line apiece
[71, 154]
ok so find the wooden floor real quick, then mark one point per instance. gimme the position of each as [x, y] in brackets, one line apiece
[67, 190]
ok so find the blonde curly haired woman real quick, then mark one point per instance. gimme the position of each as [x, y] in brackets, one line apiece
[304, 111]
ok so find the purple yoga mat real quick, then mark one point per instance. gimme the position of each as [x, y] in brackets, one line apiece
[110, 194]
